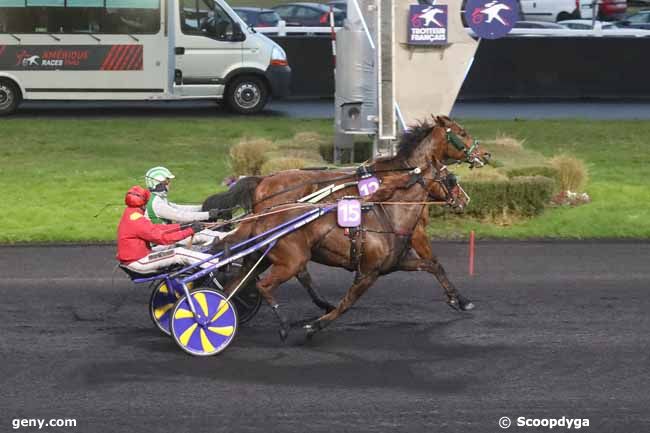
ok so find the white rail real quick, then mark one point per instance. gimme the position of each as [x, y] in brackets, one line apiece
[283, 30]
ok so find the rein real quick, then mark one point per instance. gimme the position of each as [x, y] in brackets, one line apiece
[358, 173]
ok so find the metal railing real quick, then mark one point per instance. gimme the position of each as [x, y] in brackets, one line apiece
[283, 30]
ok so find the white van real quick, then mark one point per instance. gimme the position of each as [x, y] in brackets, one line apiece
[556, 10]
[135, 50]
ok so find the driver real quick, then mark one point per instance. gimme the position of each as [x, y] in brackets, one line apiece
[135, 234]
[162, 211]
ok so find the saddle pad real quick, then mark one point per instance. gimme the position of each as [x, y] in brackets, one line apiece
[367, 186]
[349, 213]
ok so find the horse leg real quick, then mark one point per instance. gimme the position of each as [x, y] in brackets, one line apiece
[422, 246]
[279, 274]
[355, 291]
[454, 299]
[305, 279]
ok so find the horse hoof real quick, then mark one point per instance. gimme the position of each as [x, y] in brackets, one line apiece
[465, 304]
[312, 328]
[467, 307]
[453, 303]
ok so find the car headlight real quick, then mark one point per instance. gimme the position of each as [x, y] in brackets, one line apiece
[278, 57]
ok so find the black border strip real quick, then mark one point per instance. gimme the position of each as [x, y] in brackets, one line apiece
[97, 90]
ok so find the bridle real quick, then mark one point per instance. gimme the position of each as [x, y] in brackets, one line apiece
[443, 178]
[472, 153]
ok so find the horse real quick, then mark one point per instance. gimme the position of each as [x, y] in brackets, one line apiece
[397, 208]
[443, 140]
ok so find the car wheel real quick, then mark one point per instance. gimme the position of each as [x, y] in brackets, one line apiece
[247, 95]
[9, 97]
[562, 16]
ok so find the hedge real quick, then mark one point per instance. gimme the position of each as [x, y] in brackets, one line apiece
[522, 195]
[542, 170]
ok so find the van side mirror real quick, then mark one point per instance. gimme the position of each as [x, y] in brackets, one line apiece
[237, 33]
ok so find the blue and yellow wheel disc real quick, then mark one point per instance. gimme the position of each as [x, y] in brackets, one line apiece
[160, 305]
[213, 332]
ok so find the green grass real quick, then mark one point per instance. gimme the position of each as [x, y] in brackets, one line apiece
[617, 157]
[55, 175]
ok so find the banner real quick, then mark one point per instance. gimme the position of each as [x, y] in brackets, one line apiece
[71, 57]
[491, 19]
[427, 25]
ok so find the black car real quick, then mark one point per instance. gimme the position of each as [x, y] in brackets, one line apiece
[309, 14]
[258, 17]
[639, 20]
[341, 5]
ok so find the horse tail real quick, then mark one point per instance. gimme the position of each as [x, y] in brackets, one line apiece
[241, 194]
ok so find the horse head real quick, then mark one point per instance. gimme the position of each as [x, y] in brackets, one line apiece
[445, 187]
[459, 145]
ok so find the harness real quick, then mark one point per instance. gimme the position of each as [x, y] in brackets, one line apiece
[357, 235]
[360, 172]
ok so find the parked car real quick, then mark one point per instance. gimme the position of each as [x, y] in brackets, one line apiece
[341, 5]
[609, 10]
[586, 24]
[537, 25]
[639, 20]
[258, 17]
[308, 14]
[556, 10]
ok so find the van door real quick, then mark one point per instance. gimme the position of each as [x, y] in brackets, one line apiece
[538, 10]
[205, 49]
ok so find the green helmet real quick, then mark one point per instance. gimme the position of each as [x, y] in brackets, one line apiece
[155, 176]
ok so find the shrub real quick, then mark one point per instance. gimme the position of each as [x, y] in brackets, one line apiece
[526, 195]
[485, 174]
[542, 170]
[249, 155]
[505, 142]
[572, 172]
[279, 164]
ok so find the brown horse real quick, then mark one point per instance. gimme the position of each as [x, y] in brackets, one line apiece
[385, 240]
[443, 140]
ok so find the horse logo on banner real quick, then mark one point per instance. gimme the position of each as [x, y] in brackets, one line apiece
[427, 25]
[491, 19]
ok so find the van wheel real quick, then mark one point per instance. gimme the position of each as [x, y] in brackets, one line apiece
[563, 16]
[247, 95]
[9, 97]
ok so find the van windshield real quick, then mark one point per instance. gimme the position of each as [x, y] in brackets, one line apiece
[205, 18]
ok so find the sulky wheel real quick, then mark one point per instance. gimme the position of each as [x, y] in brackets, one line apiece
[211, 331]
[160, 305]
[247, 301]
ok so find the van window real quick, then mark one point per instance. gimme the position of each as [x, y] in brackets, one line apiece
[205, 18]
[80, 16]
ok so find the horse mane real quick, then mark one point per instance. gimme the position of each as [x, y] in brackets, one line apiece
[411, 139]
[240, 194]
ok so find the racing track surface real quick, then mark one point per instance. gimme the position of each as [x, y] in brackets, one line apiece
[561, 329]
